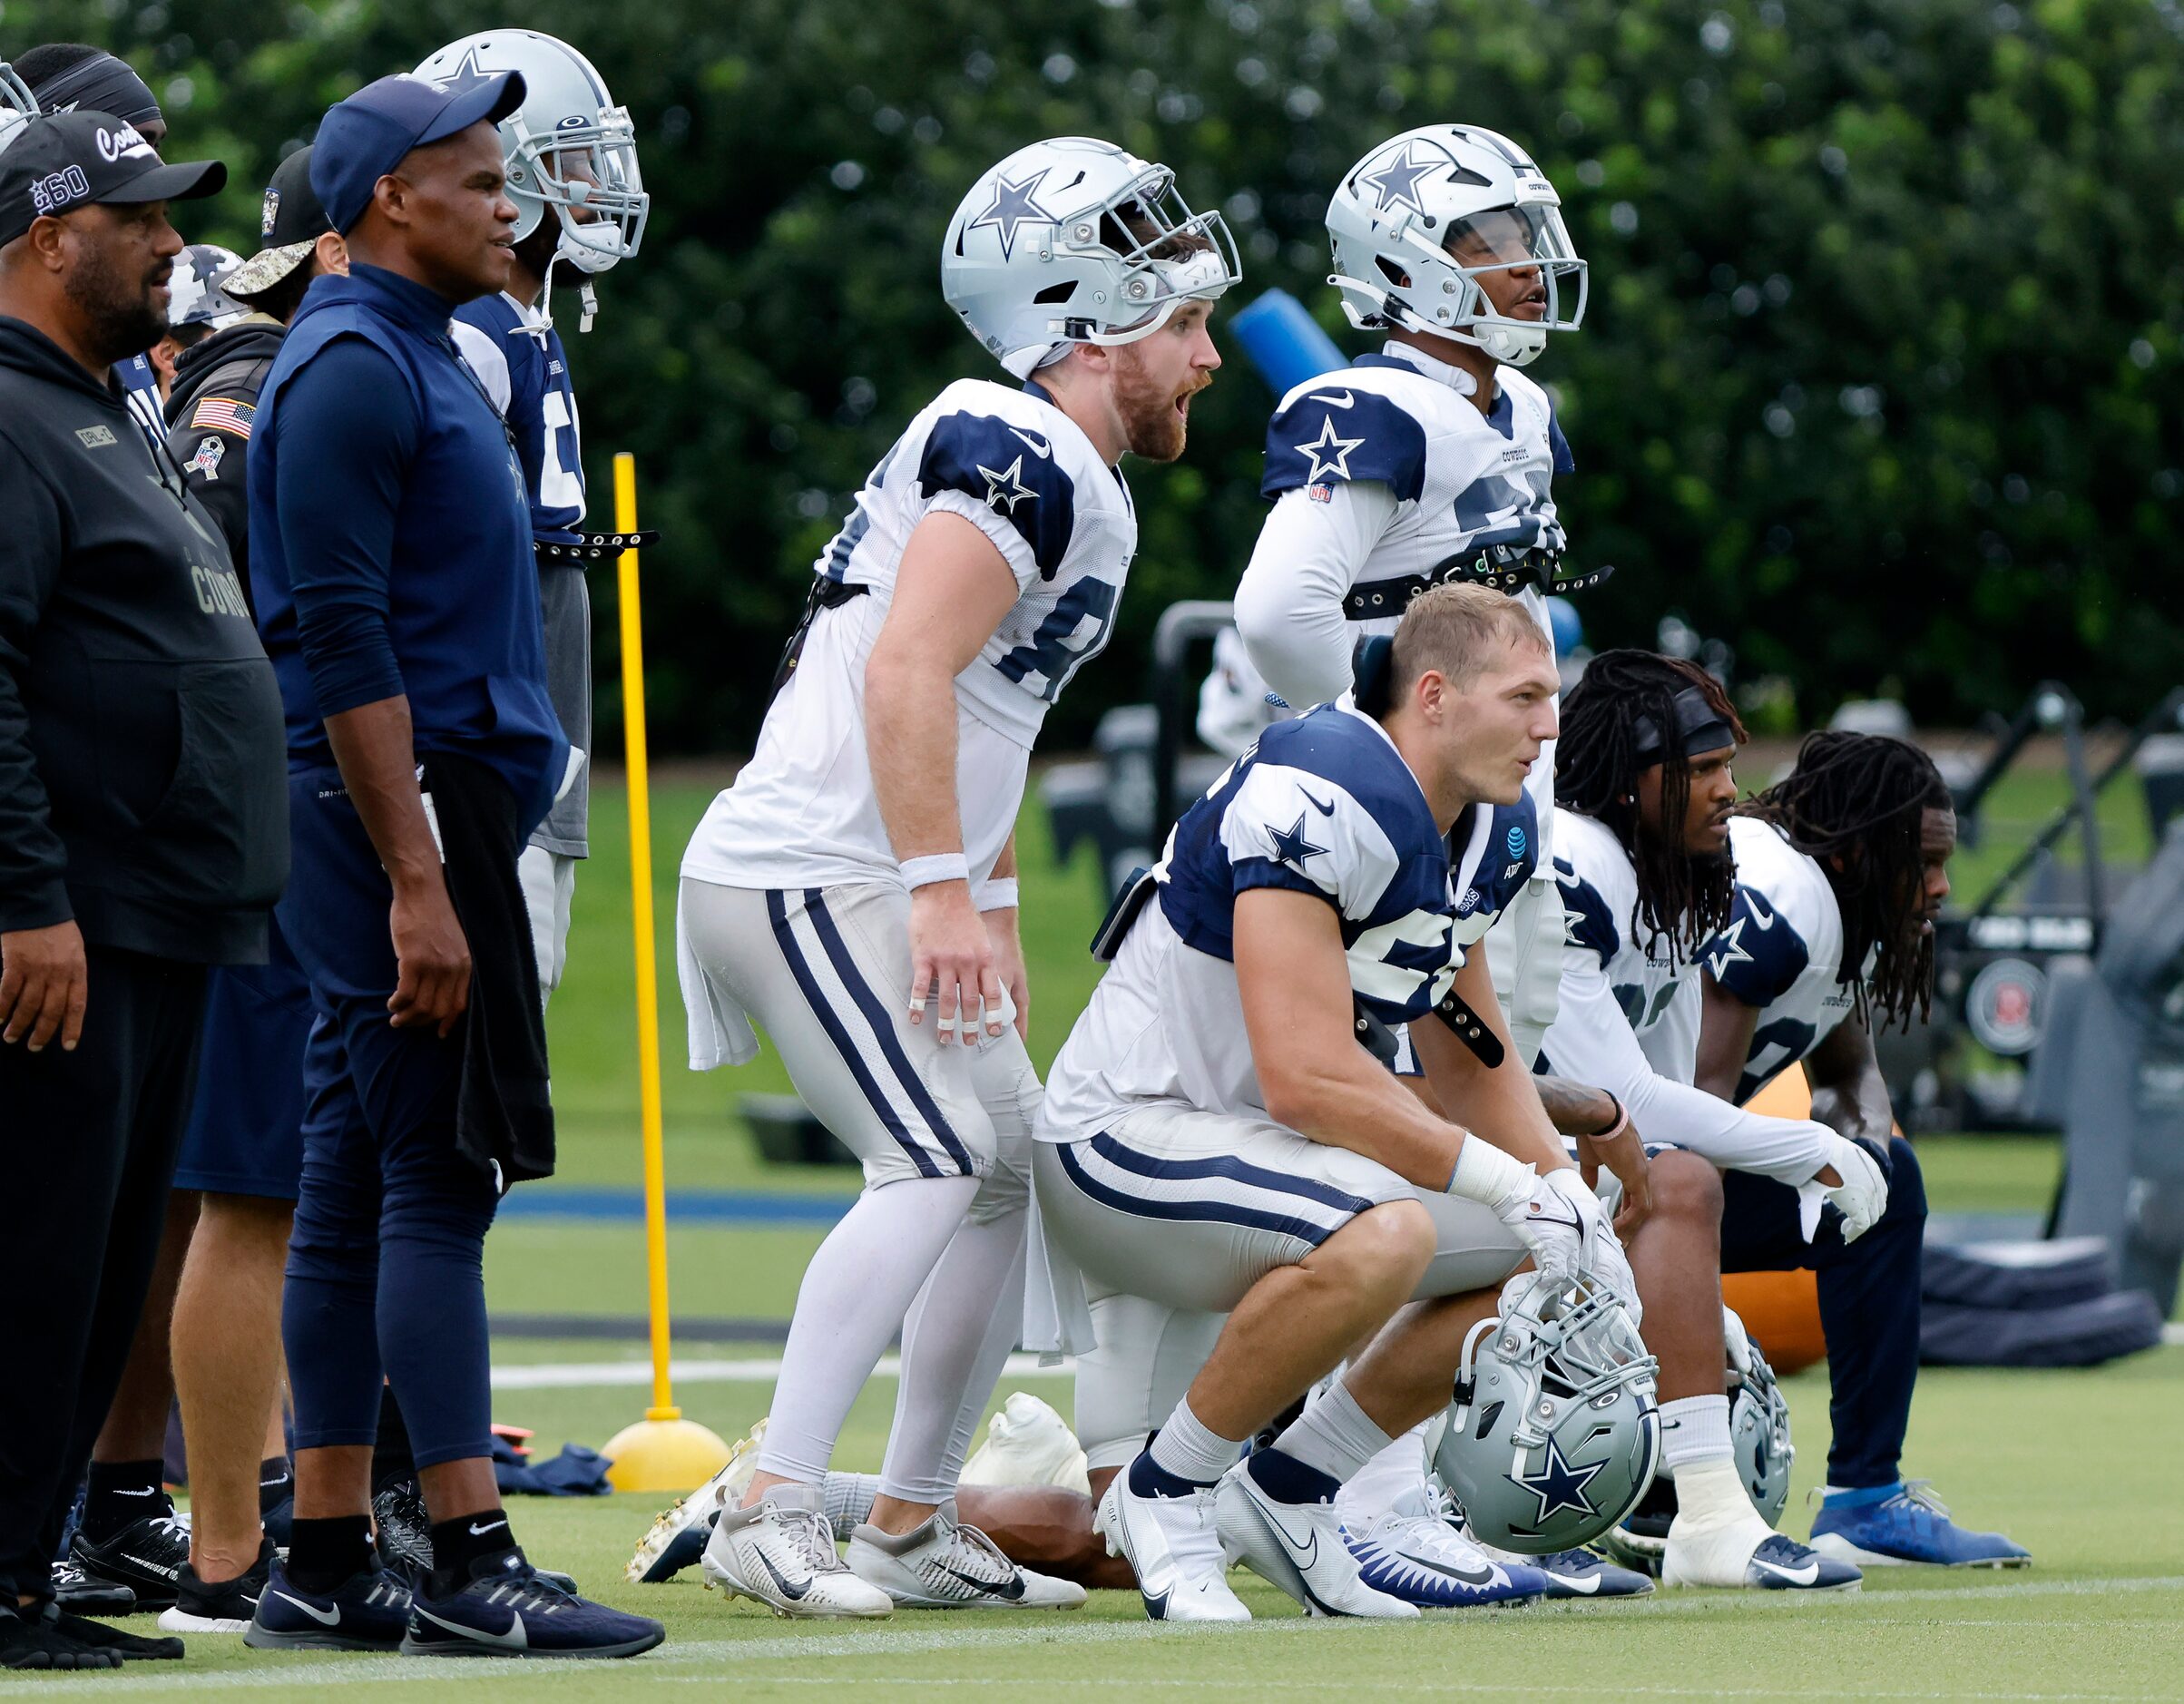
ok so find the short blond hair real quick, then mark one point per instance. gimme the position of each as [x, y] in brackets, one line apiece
[1459, 630]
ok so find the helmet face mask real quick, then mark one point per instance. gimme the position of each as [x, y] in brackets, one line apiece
[1074, 241]
[1418, 224]
[1554, 1433]
[570, 150]
[1760, 1435]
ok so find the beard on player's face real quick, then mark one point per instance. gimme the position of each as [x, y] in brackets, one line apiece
[1153, 382]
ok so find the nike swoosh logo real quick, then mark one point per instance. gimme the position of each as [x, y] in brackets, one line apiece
[1326, 811]
[325, 1617]
[1584, 1585]
[1306, 1557]
[1539, 1218]
[1804, 1576]
[490, 1526]
[1468, 1576]
[1012, 1593]
[791, 1592]
[1039, 445]
[147, 1492]
[1345, 400]
[1758, 907]
[515, 1639]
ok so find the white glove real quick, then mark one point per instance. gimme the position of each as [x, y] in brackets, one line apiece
[1861, 1197]
[1564, 1224]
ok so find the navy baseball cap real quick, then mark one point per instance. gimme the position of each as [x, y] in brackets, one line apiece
[69, 160]
[365, 137]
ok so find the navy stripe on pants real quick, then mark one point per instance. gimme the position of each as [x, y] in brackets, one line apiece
[1869, 1305]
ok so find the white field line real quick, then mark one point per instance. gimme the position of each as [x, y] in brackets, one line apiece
[1049, 1632]
[590, 1375]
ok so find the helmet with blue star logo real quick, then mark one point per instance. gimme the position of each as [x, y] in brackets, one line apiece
[1418, 222]
[1555, 1431]
[1076, 241]
[570, 149]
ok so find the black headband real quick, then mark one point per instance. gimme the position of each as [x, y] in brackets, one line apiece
[101, 84]
[1699, 727]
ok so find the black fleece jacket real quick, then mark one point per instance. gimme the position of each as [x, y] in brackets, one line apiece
[143, 765]
[210, 413]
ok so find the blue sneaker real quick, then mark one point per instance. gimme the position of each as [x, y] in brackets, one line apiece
[367, 1612]
[1578, 1573]
[1906, 1522]
[1426, 1559]
[507, 1610]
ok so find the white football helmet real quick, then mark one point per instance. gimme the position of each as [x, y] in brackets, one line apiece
[569, 147]
[1074, 241]
[1416, 223]
[17, 103]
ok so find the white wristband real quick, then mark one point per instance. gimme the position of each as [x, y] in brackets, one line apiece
[940, 867]
[997, 893]
[1484, 1173]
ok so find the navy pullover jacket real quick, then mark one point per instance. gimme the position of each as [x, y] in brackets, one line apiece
[390, 538]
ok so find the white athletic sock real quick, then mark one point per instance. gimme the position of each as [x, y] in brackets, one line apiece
[1189, 1449]
[847, 1500]
[854, 1293]
[1393, 1483]
[959, 1331]
[1694, 1429]
[1334, 1435]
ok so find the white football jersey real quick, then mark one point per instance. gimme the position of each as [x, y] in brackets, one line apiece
[802, 812]
[1461, 481]
[1781, 951]
[1324, 805]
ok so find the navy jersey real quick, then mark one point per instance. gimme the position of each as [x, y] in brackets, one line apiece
[526, 371]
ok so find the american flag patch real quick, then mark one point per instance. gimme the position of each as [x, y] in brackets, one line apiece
[224, 414]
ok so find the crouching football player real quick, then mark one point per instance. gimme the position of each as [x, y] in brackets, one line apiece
[1841, 871]
[1216, 1142]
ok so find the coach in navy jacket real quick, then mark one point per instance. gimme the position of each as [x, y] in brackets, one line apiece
[392, 565]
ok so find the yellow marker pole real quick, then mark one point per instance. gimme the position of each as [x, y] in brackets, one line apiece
[663, 1452]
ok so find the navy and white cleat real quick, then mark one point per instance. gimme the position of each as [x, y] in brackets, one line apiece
[1296, 1544]
[676, 1538]
[367, 1612]
[1425, 1560]
[1578, 1573]
[1906, 1524]
[1730, 1558]
[508, 1610]
[1173, 1545]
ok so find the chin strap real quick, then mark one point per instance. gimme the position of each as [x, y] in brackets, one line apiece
[590, 299]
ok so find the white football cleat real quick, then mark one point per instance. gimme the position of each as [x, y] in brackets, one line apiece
[678, 1535]
[1028, 1444]
[1299, 1547]
[1173, 1545]
[781, 1552]
[944, 1564]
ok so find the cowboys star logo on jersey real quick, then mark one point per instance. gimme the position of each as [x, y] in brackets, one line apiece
[1330, 452]
[1006, 489]
[1014, 204]
[1725, 949]
[1290, 846]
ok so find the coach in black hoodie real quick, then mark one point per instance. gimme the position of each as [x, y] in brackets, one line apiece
[142, 814]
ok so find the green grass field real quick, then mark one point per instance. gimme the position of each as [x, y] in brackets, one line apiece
[2077, 1465]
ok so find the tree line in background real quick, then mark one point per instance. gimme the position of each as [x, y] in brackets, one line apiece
[1878, 381]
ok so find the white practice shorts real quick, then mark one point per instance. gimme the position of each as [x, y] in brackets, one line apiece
[1524, 958]
[549, 880]
[1171, 1215]
[826, 973]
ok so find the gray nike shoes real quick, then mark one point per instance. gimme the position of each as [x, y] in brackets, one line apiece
[946, 1565]
[779, 1552]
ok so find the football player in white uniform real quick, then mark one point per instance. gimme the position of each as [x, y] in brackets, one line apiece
[1841, 871]
[1216, 1142]
[1644, 786]
[1432, 459]
[854, 891]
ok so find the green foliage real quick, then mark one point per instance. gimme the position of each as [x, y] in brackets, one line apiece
[1879, 376]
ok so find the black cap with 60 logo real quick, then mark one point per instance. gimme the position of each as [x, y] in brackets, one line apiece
[64, 161]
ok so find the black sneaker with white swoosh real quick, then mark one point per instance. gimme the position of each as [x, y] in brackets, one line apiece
[220, 1606]
[507, 1610]
[367, 1611]
[146, 1556]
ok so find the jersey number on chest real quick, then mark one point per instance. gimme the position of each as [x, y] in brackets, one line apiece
[1074, 633]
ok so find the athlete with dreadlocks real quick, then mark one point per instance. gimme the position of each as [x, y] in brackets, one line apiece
[1841, 869]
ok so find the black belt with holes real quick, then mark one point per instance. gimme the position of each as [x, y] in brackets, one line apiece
[1381, 1042]
[1498, 567]
[825, 594]
[596, 546]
